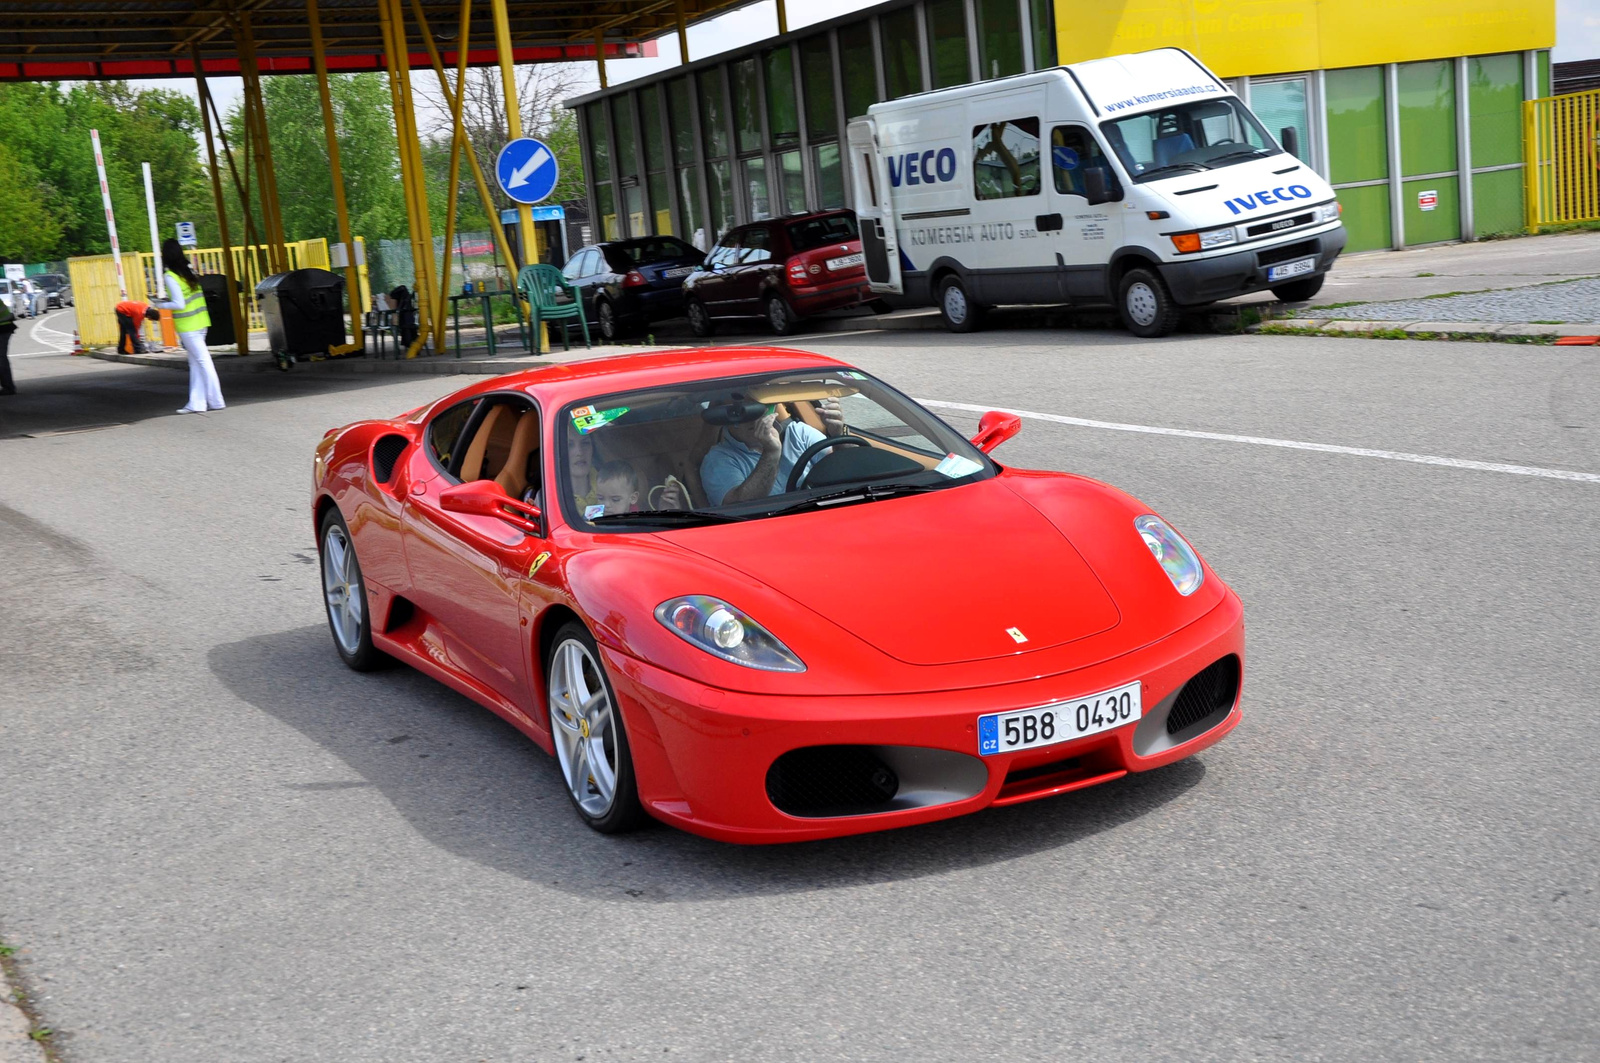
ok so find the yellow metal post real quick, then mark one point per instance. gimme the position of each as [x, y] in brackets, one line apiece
[399, 69]
[683, 32]
[256, 109]
[240, 332]
[352, 280]
[783, 19]
[457, 135]
[450, 98]
[532, 251]
[413, 145]
[600, 56]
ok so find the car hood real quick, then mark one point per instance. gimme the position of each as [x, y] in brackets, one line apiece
[963, 574]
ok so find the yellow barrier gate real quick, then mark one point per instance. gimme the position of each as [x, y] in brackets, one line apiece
[1561, 138]
[94, 282]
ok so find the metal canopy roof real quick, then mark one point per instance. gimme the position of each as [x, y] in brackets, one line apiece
[88, 39]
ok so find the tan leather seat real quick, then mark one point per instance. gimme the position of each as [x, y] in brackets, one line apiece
[472, 465]
[524, 441]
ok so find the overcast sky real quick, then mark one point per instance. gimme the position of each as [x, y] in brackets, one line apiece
[1577, 37]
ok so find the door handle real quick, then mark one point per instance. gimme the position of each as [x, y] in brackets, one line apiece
[1047, 223]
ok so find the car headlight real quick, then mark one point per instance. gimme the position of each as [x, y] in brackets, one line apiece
[1176, 557]
[1218, 238]
[713, 625]
[1328, 211]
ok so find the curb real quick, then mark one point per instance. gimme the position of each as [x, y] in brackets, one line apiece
[1478, 331]
[16, 1044]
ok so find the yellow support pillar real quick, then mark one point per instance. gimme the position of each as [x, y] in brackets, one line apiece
[450, 98]
[399, 69]
[783, 19]
[240, 332]
[600, 56]
[508, 77]
[352, 277]
[256, 112]
[457, 136]
[425, 277]
[683, 32]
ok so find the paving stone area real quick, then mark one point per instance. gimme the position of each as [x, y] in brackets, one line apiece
[1576, 302]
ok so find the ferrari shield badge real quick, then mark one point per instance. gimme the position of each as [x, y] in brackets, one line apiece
[538, 563]
[1016, 635]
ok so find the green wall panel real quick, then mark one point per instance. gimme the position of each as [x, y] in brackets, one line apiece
[1495, 97]
[1366, 217]
[1497, 205]
[1544, 75]
[1355, 124]
[1443, 222]
[1427, 118]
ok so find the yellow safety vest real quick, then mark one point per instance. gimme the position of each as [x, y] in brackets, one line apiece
[194, 316]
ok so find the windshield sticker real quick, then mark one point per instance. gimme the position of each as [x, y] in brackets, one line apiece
[955, 466]
[591, 512]
[1156, 97]
[586, 418]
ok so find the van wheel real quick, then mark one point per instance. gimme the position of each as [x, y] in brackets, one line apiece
[1299, 291]
[1145, 304]
[960, 313]
[780, 318]
[699, 321]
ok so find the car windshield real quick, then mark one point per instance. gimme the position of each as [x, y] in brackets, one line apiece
[49, 281]
[1194, 136]
[625, 256]
[750, 448]
[828, 229]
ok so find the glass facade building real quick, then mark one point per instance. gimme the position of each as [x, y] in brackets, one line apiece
[1419, 130]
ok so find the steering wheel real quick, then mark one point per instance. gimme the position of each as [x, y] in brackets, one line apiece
[798, 474]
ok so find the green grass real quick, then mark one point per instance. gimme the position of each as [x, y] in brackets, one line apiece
[1427, 274]
[38, 1032]
[1402, 334]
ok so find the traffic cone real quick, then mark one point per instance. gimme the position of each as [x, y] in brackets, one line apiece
[77, 344]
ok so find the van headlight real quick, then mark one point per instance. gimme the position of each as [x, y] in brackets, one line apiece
[1175, 556]
[1218, 238]
[723, 631]
[1329, 211]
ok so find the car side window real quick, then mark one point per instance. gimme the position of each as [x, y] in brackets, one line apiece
[444, 432]
[1073, 152]
[574, 267]
[591, 262]
[757, 246]
[724, 253]
[1005, 158]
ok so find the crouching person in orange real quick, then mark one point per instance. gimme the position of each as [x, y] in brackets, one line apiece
[130, 315]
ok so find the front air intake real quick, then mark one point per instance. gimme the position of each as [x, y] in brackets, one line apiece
[831, 781]
[1212, 692]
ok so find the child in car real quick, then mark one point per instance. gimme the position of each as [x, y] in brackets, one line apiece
[616, 490]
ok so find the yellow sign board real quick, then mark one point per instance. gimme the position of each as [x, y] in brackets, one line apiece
[1235, 37]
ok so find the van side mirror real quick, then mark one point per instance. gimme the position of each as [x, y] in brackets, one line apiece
[1098, 184]
[1289, 137]
[995, 428]
[486, 498]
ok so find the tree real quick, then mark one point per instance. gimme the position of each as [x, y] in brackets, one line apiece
[29, 228]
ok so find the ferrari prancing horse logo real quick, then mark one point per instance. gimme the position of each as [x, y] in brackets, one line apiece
[1016, 635]
[538, 563]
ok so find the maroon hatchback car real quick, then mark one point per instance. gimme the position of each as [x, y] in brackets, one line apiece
[782, 269]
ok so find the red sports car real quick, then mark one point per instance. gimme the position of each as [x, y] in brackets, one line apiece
[762, 596]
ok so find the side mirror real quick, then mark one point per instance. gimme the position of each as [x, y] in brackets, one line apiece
[995, 428]
[1098, 185]
[486, 498]
[1289, 137]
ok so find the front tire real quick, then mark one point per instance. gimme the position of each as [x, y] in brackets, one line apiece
[1145, 304]
[587, 731]
[1299, 291]
[960, 313]
[780, 318]
[344, 593]
[699, 320]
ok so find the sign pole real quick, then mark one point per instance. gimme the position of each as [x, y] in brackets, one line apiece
[111, 219]
[155, 243]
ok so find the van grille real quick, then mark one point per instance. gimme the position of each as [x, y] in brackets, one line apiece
[1302, 249]
[1278, 225]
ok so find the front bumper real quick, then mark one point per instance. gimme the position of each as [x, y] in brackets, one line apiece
[702, 754]
[1205, 280]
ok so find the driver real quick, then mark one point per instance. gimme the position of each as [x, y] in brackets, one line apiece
[753, 459]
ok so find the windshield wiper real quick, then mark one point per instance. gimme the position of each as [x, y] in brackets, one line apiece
[1171, 167]
[864, 493]
[667, 516]
[1251, 153]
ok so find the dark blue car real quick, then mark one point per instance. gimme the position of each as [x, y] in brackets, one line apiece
[626, 284]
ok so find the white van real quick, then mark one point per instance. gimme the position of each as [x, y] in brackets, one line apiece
[1139, 182]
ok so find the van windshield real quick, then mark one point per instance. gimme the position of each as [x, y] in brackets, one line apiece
[1202, 135]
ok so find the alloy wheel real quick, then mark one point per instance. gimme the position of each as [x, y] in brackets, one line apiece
[583, 724]
[341, 585]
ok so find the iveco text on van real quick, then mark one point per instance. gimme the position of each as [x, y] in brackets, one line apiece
[1138, 181]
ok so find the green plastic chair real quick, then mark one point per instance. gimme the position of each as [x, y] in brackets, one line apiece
[551, 298]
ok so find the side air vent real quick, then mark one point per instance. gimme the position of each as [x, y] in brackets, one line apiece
[385, 452]
[1210, 693]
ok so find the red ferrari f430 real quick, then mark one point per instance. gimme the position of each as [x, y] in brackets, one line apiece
[762, 596]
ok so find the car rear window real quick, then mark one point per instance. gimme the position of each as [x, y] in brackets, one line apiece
[644, 252]
[814, 232]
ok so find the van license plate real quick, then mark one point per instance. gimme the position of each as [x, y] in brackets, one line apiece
[1008, 732]
[844, 262]
[1291, 269]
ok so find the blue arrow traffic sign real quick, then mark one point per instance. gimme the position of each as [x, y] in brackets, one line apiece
[527, 170]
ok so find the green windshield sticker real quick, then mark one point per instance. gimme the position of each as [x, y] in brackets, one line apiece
[586, 418]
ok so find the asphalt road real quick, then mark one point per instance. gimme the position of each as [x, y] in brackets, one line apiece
[216, 843]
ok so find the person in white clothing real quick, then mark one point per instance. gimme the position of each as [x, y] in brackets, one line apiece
[188, 305]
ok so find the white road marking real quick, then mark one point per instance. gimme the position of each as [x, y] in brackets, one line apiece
[1288, 444]
[33, 334]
